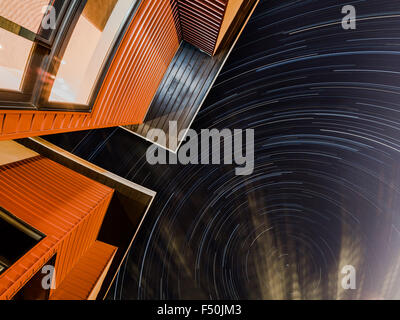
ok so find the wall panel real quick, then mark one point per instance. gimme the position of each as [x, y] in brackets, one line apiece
[231, 11]
[64, 205]
[96, 261]
[201, 22]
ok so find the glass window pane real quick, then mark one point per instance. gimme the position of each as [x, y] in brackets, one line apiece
[87, 50]
[14, 55]
[26, 13]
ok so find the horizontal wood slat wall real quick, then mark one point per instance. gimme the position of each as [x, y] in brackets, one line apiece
[67, 207]
[176, 14]
[138, 67]
[83, 278]
[201, 22]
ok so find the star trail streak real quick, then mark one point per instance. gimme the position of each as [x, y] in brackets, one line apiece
[325, 192]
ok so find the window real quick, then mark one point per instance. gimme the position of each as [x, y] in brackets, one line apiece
[16, 237]
[61, 68]
[14, 56]
[93, 37]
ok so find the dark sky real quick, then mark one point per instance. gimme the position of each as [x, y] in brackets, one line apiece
[325, 106]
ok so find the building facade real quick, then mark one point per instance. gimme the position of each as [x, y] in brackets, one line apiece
[98, 65]
[70, 65]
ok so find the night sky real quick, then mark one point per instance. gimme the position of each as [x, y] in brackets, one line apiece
[325, 192]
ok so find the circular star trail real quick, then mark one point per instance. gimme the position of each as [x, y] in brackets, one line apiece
[325, 106]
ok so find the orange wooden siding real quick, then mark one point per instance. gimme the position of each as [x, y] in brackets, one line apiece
[81, 283]
[201, 22]
[137, 69]
[64, 205]
[231, 11]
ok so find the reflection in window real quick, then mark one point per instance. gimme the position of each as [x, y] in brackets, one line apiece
[26, 13]
[87, 50]
[14, 55]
